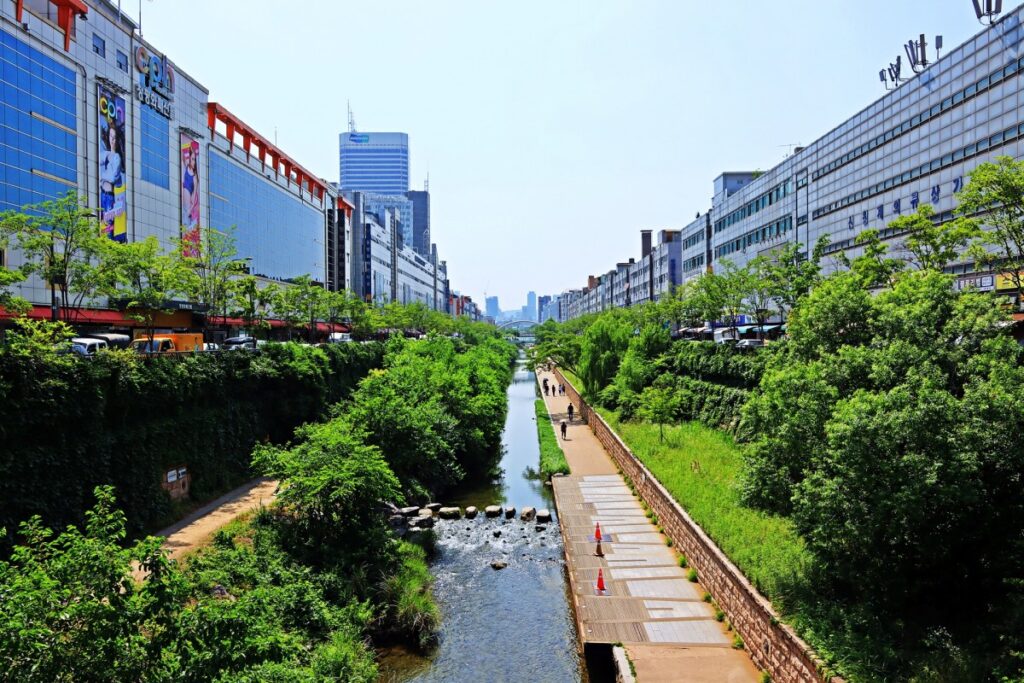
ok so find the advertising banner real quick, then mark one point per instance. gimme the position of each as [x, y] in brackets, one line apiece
[190, 196]
[113, 180]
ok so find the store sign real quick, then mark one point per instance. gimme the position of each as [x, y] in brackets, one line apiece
[155, 86]
[1005, 281]
[359, 138]
[981, 283]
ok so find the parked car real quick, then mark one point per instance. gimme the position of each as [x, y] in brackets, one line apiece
[210, 346]
[114, 340]
[237, 343]
[750, 344]
[339, 338]
[87, 346]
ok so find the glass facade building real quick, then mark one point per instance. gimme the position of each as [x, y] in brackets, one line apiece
[915, 145]
[374, 162]
[38, 125]
[281, 233]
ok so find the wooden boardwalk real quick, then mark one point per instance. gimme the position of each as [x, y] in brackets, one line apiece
[649, 604]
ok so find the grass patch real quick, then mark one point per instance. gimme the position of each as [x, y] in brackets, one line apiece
[552, 459]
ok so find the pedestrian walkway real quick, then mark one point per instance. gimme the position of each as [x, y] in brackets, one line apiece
[648, 604]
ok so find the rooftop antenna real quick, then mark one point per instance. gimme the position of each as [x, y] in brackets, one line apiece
[789, 147]
[426, 183]
[351, 119]
[987, 10]
[891, 77]
[917, 53]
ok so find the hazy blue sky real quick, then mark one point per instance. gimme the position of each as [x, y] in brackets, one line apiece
[553, 131]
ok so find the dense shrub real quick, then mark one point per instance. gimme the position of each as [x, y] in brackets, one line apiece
[719, 363]
[68, 427]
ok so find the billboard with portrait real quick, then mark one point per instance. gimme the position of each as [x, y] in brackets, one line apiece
[190, 195]
[113, 179]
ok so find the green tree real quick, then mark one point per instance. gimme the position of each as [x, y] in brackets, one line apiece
[60, 241]
[997, 190]
[659, 405]
[211, 266]
[301, 302]
[873, 267]
[10, 302]
[760, 291]
[601, 350]
[933, 246]
[252, 303]
[711, 297]
[792, 275]
[143, 278]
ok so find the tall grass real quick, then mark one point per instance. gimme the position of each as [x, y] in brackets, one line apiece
[700, 467]
[409, 609]
[552, 459]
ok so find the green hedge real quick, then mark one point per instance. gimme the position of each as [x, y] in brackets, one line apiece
[718, 363]
[66, 428]
[711, 404]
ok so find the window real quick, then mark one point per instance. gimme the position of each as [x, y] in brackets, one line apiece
[99, 46]
[122, 61]
[156, 153]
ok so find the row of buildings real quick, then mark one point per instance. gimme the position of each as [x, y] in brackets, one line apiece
[914, 145]
[86, 104]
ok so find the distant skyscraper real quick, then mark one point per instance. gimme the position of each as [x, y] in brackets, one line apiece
[420, 221]
[493, 310]
[542, 304]
[531, 306]
[374, 162]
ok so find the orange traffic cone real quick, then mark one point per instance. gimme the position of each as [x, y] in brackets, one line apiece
[600, 580]
[597, 531]
[599, 552]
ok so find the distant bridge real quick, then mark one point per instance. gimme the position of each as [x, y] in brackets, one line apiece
[521, 325]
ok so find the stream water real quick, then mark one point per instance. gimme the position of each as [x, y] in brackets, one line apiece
[501, 626]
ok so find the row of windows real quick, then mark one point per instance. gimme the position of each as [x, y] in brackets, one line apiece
[983, 145]
[694, 239]
[156, 154]
[99, 46]
[693, 263]
[765, 233]
[979, 86]
[750, 208]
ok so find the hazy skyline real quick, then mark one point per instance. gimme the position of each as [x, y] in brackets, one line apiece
[552, 132]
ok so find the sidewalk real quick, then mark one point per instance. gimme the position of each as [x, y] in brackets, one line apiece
[649, 604]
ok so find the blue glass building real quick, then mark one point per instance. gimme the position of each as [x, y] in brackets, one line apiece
[281, 233]
[374, 162]
[38, 121]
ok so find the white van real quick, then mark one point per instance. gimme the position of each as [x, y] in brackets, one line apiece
[339, 337]
[87, 346]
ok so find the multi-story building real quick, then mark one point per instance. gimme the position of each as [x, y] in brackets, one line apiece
[374, 162]
[530, 310]
[493, 309]
[384, 268]
[87, 105]
[915, 145]
[420, 221]
[400, 206]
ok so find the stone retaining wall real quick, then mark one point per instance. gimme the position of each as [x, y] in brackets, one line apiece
[773, 646]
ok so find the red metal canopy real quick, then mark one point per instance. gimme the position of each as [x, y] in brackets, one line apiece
[254, 143]
[67, 10]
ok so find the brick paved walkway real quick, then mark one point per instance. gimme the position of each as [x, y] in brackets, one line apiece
[649, 606]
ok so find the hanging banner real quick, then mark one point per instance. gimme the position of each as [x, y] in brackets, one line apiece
[190, 196]
[113, 180]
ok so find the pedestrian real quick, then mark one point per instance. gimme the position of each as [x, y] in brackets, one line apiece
[545, 388]
[570, 412]
[564, 428]
[561, 389]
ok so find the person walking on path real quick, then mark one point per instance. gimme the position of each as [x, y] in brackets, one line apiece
[570, 412]
[564, 428]
[545, 388]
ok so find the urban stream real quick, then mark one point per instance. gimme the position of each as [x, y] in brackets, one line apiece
[507, 625]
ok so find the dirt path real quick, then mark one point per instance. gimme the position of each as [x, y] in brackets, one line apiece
[198, 528]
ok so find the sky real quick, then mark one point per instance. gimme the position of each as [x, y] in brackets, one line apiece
[552, 131]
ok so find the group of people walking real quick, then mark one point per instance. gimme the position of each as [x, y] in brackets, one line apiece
[558, 390]
[554, 389]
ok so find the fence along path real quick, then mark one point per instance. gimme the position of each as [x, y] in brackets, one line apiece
[649, 605]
